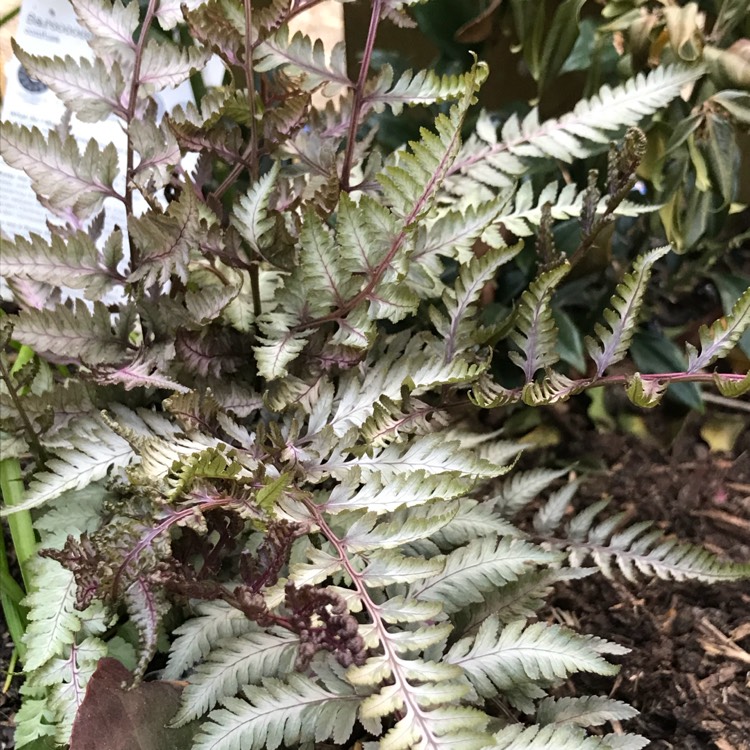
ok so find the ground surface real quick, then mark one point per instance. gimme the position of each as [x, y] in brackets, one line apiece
[689, 669]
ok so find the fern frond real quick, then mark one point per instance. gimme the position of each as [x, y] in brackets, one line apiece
[166, 64]
[403, 527]
[432, 454]
[170, 12]
[643, 392]
[473, 520]
[472, 571]
[165, 240]
[452, 235]
[584, 711]
[147, 605]
[535, 332]
[82, 453]
[457, 329]
[551, 389]
[390, 421]
[416, 363]
[77, 333]
[305, 59]
[732, 388]
[622, 317]
[522, 487]
[640, 550]
[237, 661]
[53, 619]
[522, 598]
[502, 658]
[92, 90]
[251, 215]
[74, 262]
[112, 26]
[277, 713]
[721, 337]
[523, 737]
[68, 677]
[424, 87]
[487, 394]
[524, 215]
[213, 622]
[411, 489]
[410, 179]
[63, 178]
[487, 161]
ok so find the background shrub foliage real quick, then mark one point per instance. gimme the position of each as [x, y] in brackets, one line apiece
[247, 416]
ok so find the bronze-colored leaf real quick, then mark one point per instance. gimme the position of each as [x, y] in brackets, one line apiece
[115, 717]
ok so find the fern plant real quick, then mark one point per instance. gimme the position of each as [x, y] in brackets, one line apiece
[253, 458]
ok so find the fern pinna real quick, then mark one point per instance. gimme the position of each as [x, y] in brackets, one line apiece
[242, 415]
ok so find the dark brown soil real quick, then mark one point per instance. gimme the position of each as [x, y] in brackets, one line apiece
[689, 669]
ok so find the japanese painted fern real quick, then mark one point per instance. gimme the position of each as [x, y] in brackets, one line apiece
[254, 450]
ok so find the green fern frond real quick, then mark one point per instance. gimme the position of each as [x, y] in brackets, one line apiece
[424, 87]
[535, 332]
[622, 317]
[643, 392]
[410, 179]
[277, 713]
[487, 394]
[551, 389]
[721, 337]
[732, 388]
[488, 161]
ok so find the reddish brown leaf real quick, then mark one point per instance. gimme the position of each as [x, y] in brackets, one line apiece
[114, 716]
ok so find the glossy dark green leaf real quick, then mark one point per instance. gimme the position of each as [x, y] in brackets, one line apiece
[570, 341]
